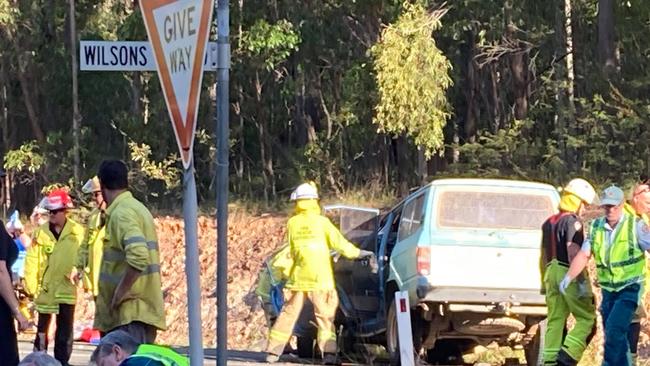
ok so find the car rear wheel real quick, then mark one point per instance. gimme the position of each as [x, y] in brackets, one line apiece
[533, 350]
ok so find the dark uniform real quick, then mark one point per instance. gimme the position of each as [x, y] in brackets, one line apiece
[9, 343]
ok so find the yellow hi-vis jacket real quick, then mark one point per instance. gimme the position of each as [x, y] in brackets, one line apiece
[312, 237]
[274, 271]
[89, 258]
[51, 262]
[130, 240]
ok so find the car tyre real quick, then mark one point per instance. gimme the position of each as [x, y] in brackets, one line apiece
[533, 350]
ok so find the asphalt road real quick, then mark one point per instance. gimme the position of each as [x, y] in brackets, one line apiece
[82, 351]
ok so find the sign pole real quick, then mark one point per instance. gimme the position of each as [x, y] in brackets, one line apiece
[192, 265]
[223, 68]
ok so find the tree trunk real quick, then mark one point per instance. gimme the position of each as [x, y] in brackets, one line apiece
[76, 116]
[564, 74]
[607, 50]
[470, 89]
[518, 63]
[423, 173]
[28, 99]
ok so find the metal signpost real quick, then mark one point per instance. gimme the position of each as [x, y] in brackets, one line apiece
[178, 31]
[179, 50]
[223, 68]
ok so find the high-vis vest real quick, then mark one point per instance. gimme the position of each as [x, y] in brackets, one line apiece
[621, 263]
[164, 355]
[130, 241]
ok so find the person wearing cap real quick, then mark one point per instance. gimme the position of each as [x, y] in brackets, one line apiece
[562, 238]
[617, 242]
[638, 206]
[119, 348]
[130, 294]
[89, 258]
[311, 237]
[56, 245]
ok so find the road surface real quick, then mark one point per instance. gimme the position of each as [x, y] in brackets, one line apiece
[82, 351]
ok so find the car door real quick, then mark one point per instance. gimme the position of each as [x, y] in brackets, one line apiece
[358, 279]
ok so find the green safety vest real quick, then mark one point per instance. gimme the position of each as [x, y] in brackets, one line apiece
[164, 355]
[622, 263]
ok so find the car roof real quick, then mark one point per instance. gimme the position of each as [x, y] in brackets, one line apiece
[487, 182]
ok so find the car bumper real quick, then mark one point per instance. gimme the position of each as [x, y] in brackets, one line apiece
[518, 301]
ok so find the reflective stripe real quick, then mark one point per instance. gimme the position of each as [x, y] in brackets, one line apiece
[133, 240]
[324, 334]
[623, 263]
[279, 336]
[116, 255]
[116, 278]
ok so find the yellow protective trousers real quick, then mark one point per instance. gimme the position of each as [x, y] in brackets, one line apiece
[325, 305]
[578, 301]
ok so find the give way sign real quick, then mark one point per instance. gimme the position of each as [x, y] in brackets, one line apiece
[178, 31]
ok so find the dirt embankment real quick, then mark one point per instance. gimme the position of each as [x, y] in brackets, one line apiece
[250, 240]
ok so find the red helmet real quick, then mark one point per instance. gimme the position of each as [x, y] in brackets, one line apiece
[58, 199]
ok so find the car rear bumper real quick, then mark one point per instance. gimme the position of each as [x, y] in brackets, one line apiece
[484, 300]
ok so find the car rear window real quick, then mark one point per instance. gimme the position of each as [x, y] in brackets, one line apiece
[493, 210]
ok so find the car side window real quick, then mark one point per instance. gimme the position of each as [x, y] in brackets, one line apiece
[412, 217]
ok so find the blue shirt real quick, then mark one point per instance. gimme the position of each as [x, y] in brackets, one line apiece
[642, 235]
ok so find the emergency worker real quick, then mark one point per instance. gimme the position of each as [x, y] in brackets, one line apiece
[130, 291]
[617, 241]
[311, 237]
[638, 206]
[119, 348]
[562, 237]
[89, 258]
[57, 244]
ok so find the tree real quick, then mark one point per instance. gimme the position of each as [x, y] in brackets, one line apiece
[412, 78]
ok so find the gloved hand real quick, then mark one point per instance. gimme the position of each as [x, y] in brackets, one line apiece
[566, 281]
[365, 254]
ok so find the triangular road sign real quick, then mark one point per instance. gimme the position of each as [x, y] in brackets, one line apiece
[178, 31]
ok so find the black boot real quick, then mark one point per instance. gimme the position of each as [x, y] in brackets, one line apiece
[563, 359]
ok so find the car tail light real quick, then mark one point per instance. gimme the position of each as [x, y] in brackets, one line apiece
[423, 255]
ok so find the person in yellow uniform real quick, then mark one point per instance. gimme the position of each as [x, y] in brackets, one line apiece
[562, 238]
[56, 245]
[638, 206]
[89, 258]
[130, 294]
[311, 237]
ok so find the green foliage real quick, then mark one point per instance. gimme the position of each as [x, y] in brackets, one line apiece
[26, 158]
[271, 43]
[412, 78]
[147, 169]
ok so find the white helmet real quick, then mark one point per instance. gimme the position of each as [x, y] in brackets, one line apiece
[92, 185]
[305, 191]
[581, 189]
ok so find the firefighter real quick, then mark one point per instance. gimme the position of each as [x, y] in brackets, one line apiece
[57, 243]
[89, 258]
[130, 290]
[311, 237]
[562, 237]
[617, 242]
